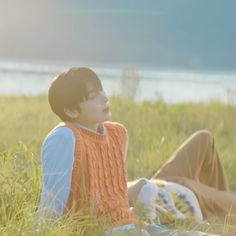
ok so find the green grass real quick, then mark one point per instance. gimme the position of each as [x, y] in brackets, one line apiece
[155, 129]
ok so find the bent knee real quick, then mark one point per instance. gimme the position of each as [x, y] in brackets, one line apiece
[204, 135]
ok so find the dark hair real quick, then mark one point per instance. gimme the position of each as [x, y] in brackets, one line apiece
[69, 89]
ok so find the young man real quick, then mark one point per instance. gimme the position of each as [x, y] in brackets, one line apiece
[83, 157]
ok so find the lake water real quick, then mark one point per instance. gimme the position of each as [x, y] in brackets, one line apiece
[171, 86]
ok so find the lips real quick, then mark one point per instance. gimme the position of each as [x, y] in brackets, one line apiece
[106, 109]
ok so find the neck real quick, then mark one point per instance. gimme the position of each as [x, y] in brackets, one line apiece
[93, 127]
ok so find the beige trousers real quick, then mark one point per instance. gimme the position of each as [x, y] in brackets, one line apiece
[196, 165]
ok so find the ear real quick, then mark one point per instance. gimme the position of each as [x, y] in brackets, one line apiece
[71, 113]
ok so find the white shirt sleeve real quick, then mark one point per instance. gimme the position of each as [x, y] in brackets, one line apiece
[57, 163]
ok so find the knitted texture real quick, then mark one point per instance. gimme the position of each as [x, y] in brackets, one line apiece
[99, 184]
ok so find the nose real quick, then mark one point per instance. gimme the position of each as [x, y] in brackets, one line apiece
[104, 96]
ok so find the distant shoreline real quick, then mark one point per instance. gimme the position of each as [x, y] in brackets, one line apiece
[171, 86]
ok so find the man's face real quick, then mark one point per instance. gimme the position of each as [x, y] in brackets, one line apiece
[96, 108]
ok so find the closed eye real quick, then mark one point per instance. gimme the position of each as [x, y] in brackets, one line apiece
[93, 94]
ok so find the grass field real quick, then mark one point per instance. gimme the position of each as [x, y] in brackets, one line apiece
[155, 129]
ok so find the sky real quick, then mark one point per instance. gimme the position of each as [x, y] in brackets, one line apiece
[184, 34]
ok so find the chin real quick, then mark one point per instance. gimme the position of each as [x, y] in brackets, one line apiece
[108, 118]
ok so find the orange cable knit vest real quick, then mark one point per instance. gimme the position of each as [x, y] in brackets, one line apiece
[98, 177]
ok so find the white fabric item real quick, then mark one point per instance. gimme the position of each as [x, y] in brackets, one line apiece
[151, 192]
